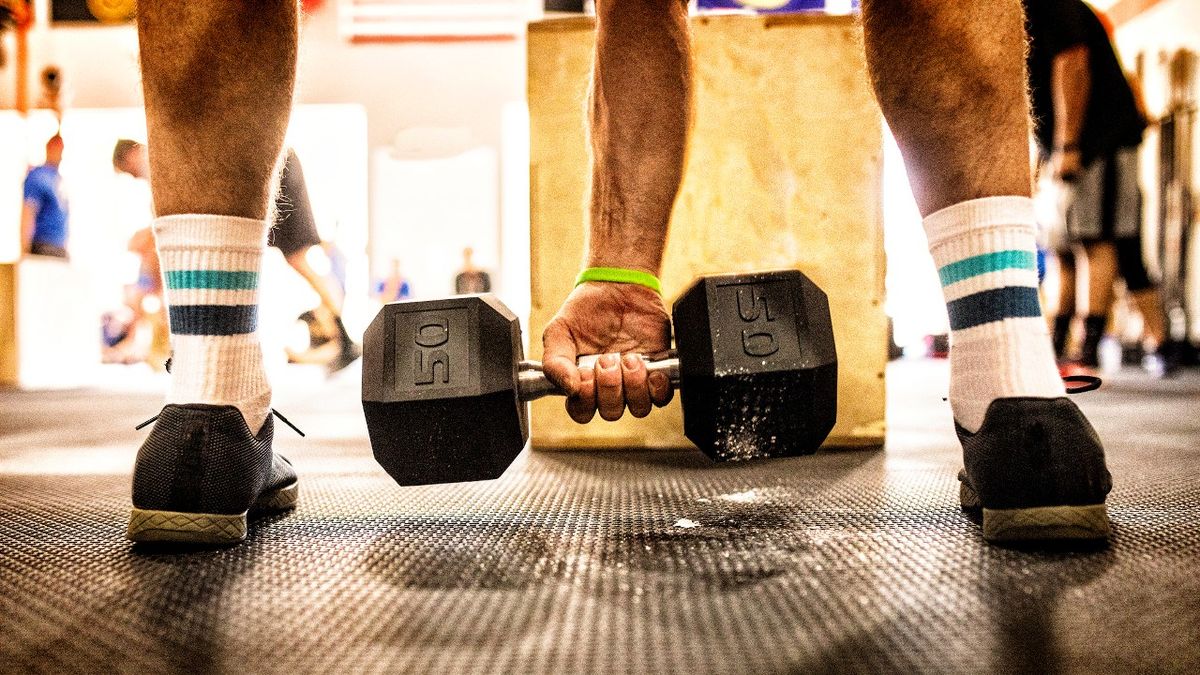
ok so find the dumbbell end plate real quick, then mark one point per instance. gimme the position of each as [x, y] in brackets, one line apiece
[780, 414]
[758, 364]
[440, 389]
[458, 448]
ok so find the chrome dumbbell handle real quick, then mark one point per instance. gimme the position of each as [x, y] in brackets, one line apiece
[533, 384]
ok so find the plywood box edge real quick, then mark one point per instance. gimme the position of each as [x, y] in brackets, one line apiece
[553, 23]
[8, 324]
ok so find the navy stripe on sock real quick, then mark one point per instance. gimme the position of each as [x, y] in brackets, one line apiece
[1007, 302]
[213, 319]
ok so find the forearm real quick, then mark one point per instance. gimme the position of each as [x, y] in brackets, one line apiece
[27, 221]
[640, 111]
[1070, 83]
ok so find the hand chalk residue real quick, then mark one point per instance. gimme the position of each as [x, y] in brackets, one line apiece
[746, 497]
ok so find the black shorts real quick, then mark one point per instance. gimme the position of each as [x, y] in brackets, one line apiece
[1106, 201]
[295, 227]
[50, 250]
[1131, 265]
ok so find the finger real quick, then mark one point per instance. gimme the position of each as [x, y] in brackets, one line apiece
[633, 381]
[558, 357]
[609, 399]
[582, 406]
[661, 391]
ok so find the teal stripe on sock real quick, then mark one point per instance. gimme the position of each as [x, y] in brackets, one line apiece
[212, 279]
[988, 262]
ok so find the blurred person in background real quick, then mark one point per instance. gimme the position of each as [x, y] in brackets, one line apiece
[1088, 132]
[144, 297]
[129, 157]
[44, 216]
[394, 286]
[1160, 356]
[471, 279]
[295, 235]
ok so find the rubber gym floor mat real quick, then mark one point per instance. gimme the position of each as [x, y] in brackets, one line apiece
[852, 561]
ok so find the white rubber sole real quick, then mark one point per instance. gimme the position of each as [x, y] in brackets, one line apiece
[1067, 522]
[147, 525]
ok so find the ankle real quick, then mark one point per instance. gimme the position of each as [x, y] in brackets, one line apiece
[229, 371]
[211, 265]
[1093, 332]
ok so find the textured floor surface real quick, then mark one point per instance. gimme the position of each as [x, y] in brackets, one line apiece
[601, 562]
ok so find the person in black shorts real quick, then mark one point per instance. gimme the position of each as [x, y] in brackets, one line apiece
[294, 233]
[1089, 126]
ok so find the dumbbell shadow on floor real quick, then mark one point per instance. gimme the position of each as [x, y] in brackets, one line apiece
[445, 386]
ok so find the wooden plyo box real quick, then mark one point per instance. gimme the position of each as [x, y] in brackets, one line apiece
[784, 171]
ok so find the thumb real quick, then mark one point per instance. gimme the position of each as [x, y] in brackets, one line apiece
[558, 357]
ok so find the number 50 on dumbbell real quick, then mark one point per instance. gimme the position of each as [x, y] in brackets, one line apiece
[445, 386]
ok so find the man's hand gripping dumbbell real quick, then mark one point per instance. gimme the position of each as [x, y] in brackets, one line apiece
[445, 385]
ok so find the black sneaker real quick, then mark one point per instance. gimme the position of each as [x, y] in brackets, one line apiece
[1036, 469]
[349, 354]
[201, 471]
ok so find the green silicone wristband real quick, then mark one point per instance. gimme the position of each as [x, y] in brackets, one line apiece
[620, 275]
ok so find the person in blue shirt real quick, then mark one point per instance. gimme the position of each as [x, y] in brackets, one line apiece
[394, 286]
[44, 216]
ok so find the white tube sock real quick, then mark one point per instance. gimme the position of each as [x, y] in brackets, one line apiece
[999, 343]
[210, 268]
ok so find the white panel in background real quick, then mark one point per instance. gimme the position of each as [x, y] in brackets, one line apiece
[58, 331]
[514, 211]
[426, 210]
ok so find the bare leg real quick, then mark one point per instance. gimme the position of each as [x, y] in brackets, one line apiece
[218, 78]
[950, 78]
[299, 262]
[1066, 283]
[1065, 311]
[1154, 325]
[1101, 274]
[1101, 260]
[342, 346]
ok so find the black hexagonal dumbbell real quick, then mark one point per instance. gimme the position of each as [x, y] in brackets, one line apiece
[445, 387]
[758, 366]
